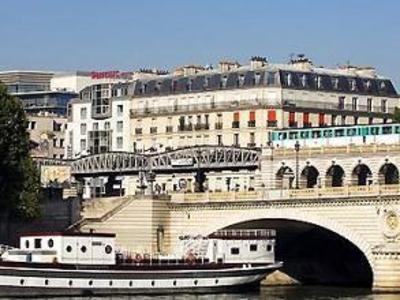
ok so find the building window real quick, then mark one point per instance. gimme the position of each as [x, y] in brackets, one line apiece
[235, 251]
[54, 143]
[153, 130]
[61, 143]
[384, 105]
[120, 110]
[333, 120]
[236, 120]
[219, 140]
[271, 118]
[236, 139]
[120, 126]
[107, 126]
[252, 119]
[354, 103]
[95, 126]
[321, 119]
[292, 119]
[83, 113]
[306, 120]
[119, 142]
[369, 104]
[32, 125]
[252, 140]
[341, 103]
[343, 120]
[83, 128]
[83, 145]
[355, 120]
[138, 131]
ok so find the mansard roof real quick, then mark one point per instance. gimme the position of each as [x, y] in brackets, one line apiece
[316, 79]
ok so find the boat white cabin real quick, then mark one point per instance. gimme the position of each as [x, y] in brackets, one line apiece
[64, 248]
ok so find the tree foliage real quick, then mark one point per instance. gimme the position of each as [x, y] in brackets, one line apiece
[396, 115]
[19, 178]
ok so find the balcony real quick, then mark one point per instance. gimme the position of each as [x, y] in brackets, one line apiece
[185, 127]
[307, 125]
[218, 126]
[272, 123]
[251, 145]
[138, 131]
[235, 124]
[251, 123]
[292, 124]
[201, 126]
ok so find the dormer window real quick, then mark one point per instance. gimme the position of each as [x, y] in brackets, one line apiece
[257, 77]
[368, 85]
[174, 84]
[382, 85]
[189, 85]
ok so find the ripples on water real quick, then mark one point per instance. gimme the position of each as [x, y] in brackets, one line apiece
[273, 293]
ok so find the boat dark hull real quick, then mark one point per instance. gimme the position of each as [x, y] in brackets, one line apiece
[29, 282]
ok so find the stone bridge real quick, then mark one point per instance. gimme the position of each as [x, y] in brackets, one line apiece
[358, 227]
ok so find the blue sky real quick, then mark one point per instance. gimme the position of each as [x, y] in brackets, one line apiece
[126, 35]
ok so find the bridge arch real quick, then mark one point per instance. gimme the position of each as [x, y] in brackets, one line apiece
[361, 174]
[334, 176]
[345, 233]
[388, 174]
[309, 176]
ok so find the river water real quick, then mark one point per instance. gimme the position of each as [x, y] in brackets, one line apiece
[270, 293]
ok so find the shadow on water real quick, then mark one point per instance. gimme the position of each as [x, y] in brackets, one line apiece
[269, 293]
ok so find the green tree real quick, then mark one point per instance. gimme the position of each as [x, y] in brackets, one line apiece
[19, 178]
[396, 115]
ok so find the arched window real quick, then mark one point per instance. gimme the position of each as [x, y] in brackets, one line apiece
[362, 174]
[284, 178]
[334, 176]
[388, 174]
[309, 177]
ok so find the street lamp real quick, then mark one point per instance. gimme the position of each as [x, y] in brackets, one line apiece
[297, 149]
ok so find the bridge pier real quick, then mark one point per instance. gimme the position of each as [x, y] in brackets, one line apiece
[386, 270]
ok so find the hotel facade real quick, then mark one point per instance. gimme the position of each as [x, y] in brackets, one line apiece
[230, 105]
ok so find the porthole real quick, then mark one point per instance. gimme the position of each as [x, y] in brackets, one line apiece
[83, 249]
[269, 248]
[110, 283]
[130, 283]
[70, 283]
[90, 282]
[21, 282]
[46, 282]
[108, 249]
[174, 283]
[69, 248]
[216, 281]
[195, 282]
[153, 283]
[50, 243]
[27, 244]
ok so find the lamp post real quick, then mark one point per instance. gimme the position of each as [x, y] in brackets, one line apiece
[297, 149]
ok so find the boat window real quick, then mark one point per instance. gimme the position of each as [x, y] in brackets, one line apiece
[83, 249]
[234, 251]
[397, 129]
[153, 283]
[38, 243]
[70, 282]
[46, 282]
[269, 248]
[90, 282]
[108, 249]
[27, 244]
[195, 282]
[253, 247]
[69, 248]
[50, 243]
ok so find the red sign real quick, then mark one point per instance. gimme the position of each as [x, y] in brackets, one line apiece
[111, 75]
